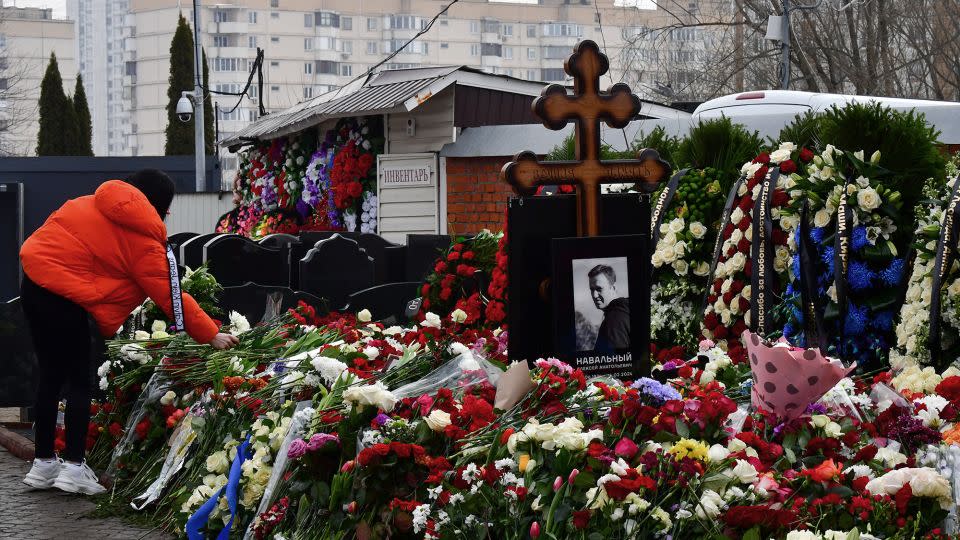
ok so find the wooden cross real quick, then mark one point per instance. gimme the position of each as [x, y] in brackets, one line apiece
[588, 106]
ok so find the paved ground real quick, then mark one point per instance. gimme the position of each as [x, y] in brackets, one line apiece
[53, 515]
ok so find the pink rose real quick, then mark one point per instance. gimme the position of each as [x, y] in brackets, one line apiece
[297, 448]
[626, 448]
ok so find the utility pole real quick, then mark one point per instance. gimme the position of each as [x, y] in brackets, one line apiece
[789, 8]
[198, 121]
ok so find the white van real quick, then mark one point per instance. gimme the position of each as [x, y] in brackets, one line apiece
[768, 111]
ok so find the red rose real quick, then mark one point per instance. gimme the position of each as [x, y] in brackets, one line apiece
[440, 267]
[762, 158]
[142, 428]
[806, 155]
[581, 519]
[788, 167]
[626, 448]
[949, 388]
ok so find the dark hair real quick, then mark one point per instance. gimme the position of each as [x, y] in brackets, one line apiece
[605, 270]
[156, 185]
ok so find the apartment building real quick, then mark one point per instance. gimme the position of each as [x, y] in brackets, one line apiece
[312, 47]
[27, 37]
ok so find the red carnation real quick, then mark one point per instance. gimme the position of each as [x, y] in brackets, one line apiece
[788, 167]
[949, 388]
[762, 158]
[806, 155]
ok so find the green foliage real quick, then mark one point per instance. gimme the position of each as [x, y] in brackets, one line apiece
[907, 144]
[84, 126]
[717, 143]
[58, 127]
[180, 135]
[666, 145]
[804, 131]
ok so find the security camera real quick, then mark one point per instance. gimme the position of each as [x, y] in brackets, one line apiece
[185, 107]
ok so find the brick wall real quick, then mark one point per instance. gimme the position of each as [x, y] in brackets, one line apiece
[476, 199]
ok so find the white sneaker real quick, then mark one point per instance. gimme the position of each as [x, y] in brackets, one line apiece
[78, 478]
[43, 473]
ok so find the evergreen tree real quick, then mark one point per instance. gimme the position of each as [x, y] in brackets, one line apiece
[85, 140]
[72, 145]
[51, 138]
[180, 139]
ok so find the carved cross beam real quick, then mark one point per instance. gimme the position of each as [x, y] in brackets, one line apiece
[588, 107]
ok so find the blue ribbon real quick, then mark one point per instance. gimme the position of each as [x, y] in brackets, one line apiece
[202, 515]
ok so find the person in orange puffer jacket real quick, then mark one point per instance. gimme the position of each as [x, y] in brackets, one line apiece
[88, 266]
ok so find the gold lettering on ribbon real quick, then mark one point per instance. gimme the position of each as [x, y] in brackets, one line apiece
[948, 239]
[761, 260]
[844, 238]
[658, 209]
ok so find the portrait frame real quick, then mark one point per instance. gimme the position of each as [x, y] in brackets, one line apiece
[571, 256]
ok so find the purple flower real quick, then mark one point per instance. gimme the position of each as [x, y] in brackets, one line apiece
[657, 391]
[297, 448]
[381, 419]
[318, 440]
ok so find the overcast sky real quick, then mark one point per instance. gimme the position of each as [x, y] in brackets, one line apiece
[59, 6]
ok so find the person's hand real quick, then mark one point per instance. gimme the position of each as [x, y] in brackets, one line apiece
[224, 341]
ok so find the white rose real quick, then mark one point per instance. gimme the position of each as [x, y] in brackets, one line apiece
[140, 335]
[438, 420]
[656, 259]
[218, 463]
[431, 320]
[821, 218]
[697, 229]
[669, 254]
[135, 353]
[745, 472]
[458, 316]
[701, 269]
[779, 155]
[868, 199]
[736, 215]
[371, 352]
[681, 267]
[677, 226]
[709, 505]
[717, 452]
[168, 398]
[802, 535]
[375, 394]
[159, 335]
[364, 315]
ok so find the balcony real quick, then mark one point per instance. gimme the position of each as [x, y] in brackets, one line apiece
[228, 28]
[488, 37]
[231, 52]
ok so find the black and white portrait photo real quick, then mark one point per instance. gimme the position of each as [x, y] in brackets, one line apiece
[601, 299]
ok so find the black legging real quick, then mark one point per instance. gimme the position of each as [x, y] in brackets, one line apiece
[62, 335]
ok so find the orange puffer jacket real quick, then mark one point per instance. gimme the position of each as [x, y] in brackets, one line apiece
[107, 253]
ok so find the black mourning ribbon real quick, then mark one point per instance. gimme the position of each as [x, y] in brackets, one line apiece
[946, 253]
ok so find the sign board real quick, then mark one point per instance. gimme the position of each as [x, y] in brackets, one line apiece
[408, 195]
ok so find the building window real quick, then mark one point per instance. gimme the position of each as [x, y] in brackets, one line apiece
[531, 53]
[491, 26]
[230, 64]
[508, 29]
[274, 88]
[531, 31]
[327, 67]
[491, 49]
[474, 27]
[274, 3]
[405, 22]
[508, 53]
[325, 18]
[252, 17]
[307, 92]
[274, 39]
[346, 46]
[219, 41]
[371, 47]
[308, 20]
[131, 69]
[562, 30]
[308, 68]
[326, 43]
[554, 52]
[474, 49]
[274, 15]
[444, 45]
[346, 70]
[252, 42]
[414, 47]
[219, 16]
[553, 74]
[371, 23]
[346, 23]
[532, 75]
[274, 64]
[308, 44]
